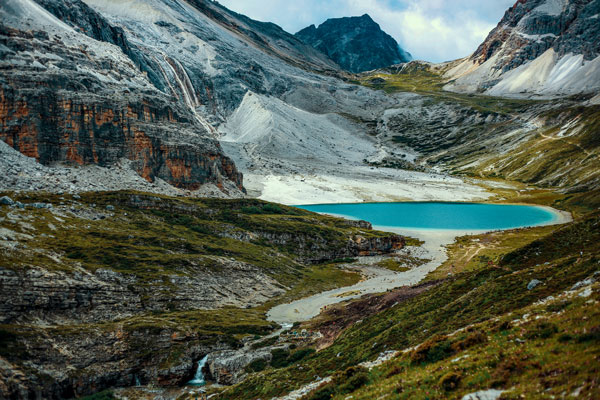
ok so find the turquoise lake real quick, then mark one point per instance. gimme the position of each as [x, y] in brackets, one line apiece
[433, 215]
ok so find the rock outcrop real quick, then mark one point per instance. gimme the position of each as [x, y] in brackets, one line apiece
[357, 44]
[100, 289]
[531, 27]
[103, 357]
[543, 47]
[78, 101]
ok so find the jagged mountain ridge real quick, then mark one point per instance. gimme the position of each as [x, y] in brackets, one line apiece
[123, 89]
[543, 47]
[357, 44]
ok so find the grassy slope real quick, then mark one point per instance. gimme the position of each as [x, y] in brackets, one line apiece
[544, 157]
[171, 236]
[470, 297]
[554, 351]
[164, 236]
[428, 83]
[549, 157]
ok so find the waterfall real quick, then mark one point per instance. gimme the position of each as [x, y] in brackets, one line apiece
[199, 377]
[137, 381]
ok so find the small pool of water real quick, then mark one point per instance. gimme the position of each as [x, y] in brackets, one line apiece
[438, 215]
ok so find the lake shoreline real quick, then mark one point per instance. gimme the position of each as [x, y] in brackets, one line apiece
[434, 244]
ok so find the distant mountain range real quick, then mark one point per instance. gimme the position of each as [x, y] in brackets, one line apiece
[357, 44]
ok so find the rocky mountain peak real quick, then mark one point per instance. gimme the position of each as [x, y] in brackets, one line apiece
[531, 27]
[531, 48]
[356, 43]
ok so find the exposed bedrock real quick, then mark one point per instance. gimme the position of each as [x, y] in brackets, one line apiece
[53, 128]
[113, 357]
[70, 116]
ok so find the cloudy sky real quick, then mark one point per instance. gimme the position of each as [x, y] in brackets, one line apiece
[432, 30]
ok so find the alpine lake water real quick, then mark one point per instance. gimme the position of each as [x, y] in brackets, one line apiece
[441, 215]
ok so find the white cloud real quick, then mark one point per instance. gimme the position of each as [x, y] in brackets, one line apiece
[433, 30]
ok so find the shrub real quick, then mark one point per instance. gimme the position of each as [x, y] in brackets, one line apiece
[251, 210]
[256, 365]
[325, 392]
[201, 229]
[354, 382]
[351, 379]
[434, 349]
[280, 358]
[395, 371]
[450, 381]
[502, 326]
[299, 355]
[473, 339]
[541, 330]
[512, 365]
[565, 337]
[592, 335]
[272, 209]
[559, 306]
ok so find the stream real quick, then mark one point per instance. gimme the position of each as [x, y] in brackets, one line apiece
[199, 376]
[377, 279]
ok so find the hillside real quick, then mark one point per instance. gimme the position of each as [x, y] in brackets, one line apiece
[552, 144]
[154, 154]
[540, 47]
[476, 329]
[139, 286]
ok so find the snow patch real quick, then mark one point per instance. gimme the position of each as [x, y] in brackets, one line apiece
[550, 76]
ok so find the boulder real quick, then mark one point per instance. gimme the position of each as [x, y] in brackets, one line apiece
[5, 200]
[533, 283]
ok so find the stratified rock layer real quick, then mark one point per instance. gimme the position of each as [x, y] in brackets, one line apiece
[80, 102]
[531, 27]
[540, 47]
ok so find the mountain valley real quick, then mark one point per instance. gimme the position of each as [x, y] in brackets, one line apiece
[155, 158]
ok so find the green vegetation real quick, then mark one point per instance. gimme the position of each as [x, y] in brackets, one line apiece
[565, 153]
[153, 237]
[423, 80]
[393, 265]
[342, 383]
[149, 239]
[105, 395]
[484, 300]
[402, 262]
[541, 356]
[472, 253]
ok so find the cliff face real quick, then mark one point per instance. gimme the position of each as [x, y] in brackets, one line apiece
[56, 127]
[68, 99]
[357, 44]
[530, 27]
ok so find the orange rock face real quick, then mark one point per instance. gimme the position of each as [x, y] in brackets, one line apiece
[70, 132]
